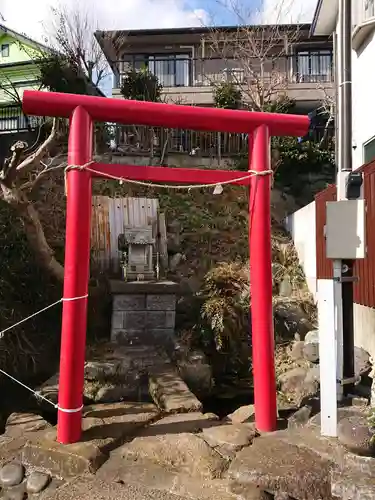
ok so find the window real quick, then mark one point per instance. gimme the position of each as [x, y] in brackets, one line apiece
[369, 9]
[172, 70]
[7, 124]
[369, 151]
[5, 50]
[314, 67]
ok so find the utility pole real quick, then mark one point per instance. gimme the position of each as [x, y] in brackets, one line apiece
[344, 268]
[345, 242]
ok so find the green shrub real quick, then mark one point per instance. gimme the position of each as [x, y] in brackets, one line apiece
[141, 85]
[227, 95]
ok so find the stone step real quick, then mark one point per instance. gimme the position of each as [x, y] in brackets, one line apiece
[89, 488]
[274, 464]
[170, 392]
[351, 484]
[125, 470]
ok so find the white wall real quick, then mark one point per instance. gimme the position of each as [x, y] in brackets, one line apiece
[363, 78]
[302, 228]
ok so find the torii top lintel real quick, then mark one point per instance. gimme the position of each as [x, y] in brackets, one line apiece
[127, 112]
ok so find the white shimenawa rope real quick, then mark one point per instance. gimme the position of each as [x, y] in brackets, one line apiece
[37, 393]
[249, 174]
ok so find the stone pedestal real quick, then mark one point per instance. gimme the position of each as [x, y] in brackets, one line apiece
[143, 313]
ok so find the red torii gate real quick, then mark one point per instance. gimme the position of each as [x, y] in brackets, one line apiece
[83, 111]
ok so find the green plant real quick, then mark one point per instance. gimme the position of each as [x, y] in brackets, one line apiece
[286, 267]
[227, 95]
[297, 158]
[60, 74]
[141, 85]
[225, 310]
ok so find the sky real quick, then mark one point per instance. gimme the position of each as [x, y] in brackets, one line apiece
[33, 17]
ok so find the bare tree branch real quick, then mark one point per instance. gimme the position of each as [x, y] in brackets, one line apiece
[71, 34]
[256, 56]
[34, 159]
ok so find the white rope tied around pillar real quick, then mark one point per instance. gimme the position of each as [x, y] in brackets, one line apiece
[37, 394]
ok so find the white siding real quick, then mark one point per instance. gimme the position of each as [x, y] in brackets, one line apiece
[302, 228]
[363, 98]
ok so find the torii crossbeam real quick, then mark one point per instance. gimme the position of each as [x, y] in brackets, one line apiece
[83, 111]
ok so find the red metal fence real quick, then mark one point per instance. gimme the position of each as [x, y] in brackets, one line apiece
[364, 290]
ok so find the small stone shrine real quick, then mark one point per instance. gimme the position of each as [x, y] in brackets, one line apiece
[143, 304]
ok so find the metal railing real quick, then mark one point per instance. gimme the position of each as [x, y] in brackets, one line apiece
[12, 119]
[159, 142]
[183, 71]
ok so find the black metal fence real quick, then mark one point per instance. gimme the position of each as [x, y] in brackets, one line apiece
[155, 141]
[12, 119]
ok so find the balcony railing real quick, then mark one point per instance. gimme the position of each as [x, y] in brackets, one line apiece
[12, 119]
[314, 67]
[159, 142]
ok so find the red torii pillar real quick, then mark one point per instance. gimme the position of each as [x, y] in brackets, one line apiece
[83, 111]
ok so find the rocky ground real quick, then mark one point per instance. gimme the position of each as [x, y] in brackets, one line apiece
[136, 451]
[169, 449]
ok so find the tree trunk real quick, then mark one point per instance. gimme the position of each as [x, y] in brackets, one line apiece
[34, 231]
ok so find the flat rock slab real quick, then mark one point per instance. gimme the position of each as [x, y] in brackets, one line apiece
[275, 465]
[18, 424]
[157, 477]
[11, 448]
[112, 373]
[233, 437]
[170, 392]
[250, 492]
[352, 484]
[183, 452]
[310, 438]
[354, 433]
[84, 488]
[244, 414]
[104, 428]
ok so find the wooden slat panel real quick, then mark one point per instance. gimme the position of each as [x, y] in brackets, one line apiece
[324, 268]
[109, 218]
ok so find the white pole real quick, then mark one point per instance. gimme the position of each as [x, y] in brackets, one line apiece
[329, 332]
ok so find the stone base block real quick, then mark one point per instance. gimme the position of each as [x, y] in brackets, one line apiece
[143, 313]
[104, 428]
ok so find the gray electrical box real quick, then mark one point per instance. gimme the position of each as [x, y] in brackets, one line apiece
[345, 230]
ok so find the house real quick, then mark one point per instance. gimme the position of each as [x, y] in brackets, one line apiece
[18, 72]
[189, 61]
[325, 23]
[308, 225]
[265, 62]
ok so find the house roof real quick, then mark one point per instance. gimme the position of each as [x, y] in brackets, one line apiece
[29, 41]
[324, 21]
[195, 30]
[23, 38]
[107, 39]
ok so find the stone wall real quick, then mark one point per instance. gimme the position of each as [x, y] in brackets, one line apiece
[143, 313]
